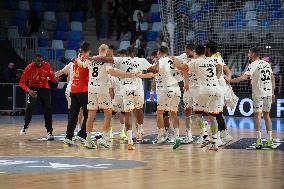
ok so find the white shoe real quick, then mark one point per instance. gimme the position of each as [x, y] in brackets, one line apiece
[90, 145]
[102, 142]
[82, 140]
[226, 138]
[219, 140]
[68, 141]
[200, 139]
[187, 139]
[161, 139]
[23, 131]
[50, 136]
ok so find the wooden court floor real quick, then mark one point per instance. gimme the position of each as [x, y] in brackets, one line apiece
[187, 167]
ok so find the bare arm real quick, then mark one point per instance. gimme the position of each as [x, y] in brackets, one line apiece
[102, 59]
[179, 65]
[228, 74]
[240, 78]
[218, 70]
[118, 73]
[273, 87]
[146, 75]
[111, 93]
[186, 80]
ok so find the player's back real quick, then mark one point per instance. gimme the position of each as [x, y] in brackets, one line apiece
[98, 73]
[205, 72]
[167, 72]
[261, 78]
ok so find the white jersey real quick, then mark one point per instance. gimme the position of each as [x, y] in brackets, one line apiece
[114, 82]
[205, 72]
[98, 74]
[218, 60]
[260, 72]
[167, 72]
[68, 70]
[128, 64]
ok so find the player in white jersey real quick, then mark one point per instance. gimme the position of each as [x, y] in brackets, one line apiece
[207, 94]
[68, 70]
[263, 85]
[98, 96]
[132, 96]
[212, 52]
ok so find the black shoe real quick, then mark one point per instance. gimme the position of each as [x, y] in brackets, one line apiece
[50, 136]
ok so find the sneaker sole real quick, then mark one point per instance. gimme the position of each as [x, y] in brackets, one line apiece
[204, 144]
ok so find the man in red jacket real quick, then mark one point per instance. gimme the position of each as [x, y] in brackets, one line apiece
[34, 81]
[79, 97]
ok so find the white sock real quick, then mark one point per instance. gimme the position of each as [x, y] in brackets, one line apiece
[129, 136]
[177, 132]
[214, 137]
[89, 136]
[161, 131]
[258, 134]
[269, 135]
[204, 131]
[140, 127]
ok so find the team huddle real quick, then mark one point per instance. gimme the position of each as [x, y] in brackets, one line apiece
[114, 84]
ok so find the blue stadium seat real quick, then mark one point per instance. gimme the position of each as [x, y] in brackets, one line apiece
[208, 6]
[38, 6]
[196, 17]
[24, 5]
[124, 45]
[21, 15]
[10, 5]
[155, 8]
[44, 53]
[78, 16]
[261, 6]
[239, 16]
[274, 5]
[183, 9]
[266, 23]
[196, 7]
[228, 24]
[58, 35]
[49, 16]
[73, 45]
[249, 6]
[157, 26]
[74, 36]
[43, 42]
[276, 14]
[152, 36]
[62, 26]
[190, 36]
[201, 35]
[76, 26]
[250, 15]
[144, 26]
[70, 54]
[57, 44]
[155, 17]
[58, 53]
[252, 23]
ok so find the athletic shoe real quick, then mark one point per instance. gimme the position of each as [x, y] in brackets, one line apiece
[213, 146]
[161, 139]
[139, 136]
[90, 145]
[269, 143]
[177, 143]
[82, 140]
[205, 142]
[200, 139]
[187, 139]
[68, 141]
[50, 136]
[130, 146]
[111, 133]
[258, 144]
[226, 138]
[102, 142]
[219, 140]
[23, 131]
[123, 136]
[170, 135]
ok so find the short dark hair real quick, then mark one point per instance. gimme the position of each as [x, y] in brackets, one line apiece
[154, 53]
[212, 46]
[255, 50]
[130, 50]
[111, 47]
[38, 56]
[190, 46]
[85, 47]
[164, 49]
[200, 49]
[122, 51]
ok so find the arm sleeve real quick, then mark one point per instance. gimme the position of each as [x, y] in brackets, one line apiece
[250, 69]
[51, 75]
[24, 79]
[66, 68]
[144, 64]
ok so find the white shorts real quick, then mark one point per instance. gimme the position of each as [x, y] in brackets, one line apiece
[133, 100]
[188, 97]
[98, 100]
[168, 99]
[262, 104]
[209, 100]
[117, 103]
[67, 95]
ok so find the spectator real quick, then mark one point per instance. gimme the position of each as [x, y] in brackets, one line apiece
[138, 24]
[125, 35]
[33, 23]
[138, 42]
[9, 74]
[142, 52]
[121, 22]
[63, 78]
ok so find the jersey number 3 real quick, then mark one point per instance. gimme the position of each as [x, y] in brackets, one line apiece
[95, 72]
[210, 72]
